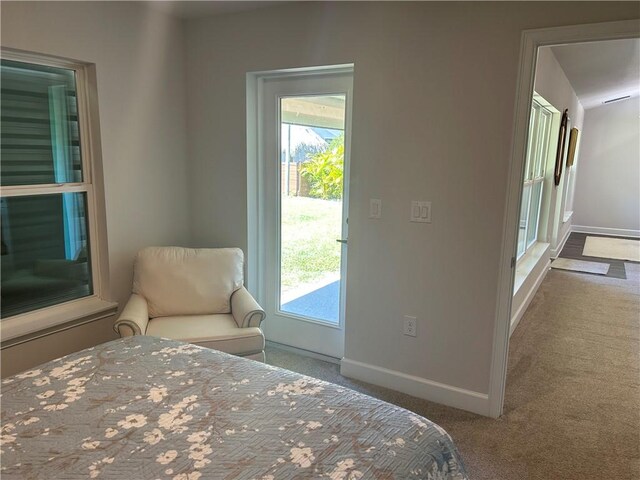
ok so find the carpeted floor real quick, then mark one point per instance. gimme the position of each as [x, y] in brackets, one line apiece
[572, 407]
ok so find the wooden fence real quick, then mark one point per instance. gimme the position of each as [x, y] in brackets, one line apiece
[298, 186]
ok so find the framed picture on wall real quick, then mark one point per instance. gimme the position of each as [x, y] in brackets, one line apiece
[573, 141]
[562, 140]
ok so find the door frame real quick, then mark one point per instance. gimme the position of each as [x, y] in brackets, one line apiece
[256, 214]
[531, 40]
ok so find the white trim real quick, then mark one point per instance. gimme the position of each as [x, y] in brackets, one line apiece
[302, 71]
[23, 190]
[554, 252]
[92, 184]
[567, 216]
[91, 144]
[98, 211]
[531, 40]
[527, 264]
[255, 254]
[510, 228]
[418, 387]
[303, 352]
[263, 88]
[614, 232]
[24, 56]
[517, 316]
[256, 223]
[302, 318]
[49, 317]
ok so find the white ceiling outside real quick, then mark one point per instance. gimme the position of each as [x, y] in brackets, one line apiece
[600, 71]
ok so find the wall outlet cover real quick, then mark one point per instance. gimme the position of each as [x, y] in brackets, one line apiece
[410, 326]
[375, 208]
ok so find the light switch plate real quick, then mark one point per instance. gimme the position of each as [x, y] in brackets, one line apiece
[375, 208]
[420, 212]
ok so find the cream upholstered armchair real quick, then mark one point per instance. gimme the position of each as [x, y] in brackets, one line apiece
[195, 295]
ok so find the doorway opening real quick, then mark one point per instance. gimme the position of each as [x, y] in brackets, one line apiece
[531, 42]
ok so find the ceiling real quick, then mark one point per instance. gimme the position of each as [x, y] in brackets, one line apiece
[203, 8]
[600, 71]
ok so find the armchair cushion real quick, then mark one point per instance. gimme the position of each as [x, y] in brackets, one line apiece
[187, 281]
[212, 331]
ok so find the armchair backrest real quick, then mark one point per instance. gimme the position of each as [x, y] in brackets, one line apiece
[187, 281]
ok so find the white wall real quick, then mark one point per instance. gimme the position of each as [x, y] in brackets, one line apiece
[142, 105]
[434, 92]
[142, 100]
[433, 118]
[552, 84]
[608, 183]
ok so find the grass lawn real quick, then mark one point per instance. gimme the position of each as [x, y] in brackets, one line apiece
[310, 227]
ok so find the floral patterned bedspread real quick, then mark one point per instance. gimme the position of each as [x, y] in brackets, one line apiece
[150, 408]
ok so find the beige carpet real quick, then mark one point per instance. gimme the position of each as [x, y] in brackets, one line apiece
[580, 266]
[608, 247]
[572, 409]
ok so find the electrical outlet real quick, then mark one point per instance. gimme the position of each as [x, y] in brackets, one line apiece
[375, 208]
[410, 327]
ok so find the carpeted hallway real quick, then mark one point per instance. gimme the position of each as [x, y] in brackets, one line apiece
[572, 408]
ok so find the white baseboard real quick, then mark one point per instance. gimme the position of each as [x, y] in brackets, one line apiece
[303, 352]
[614, 232]
[418, 387]
[554, 252]
[517, 316]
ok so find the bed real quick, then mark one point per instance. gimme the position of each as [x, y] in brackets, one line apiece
[150, 408]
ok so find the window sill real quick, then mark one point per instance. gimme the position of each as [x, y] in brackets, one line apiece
[27, 326]
[567, 217]
[527, 263]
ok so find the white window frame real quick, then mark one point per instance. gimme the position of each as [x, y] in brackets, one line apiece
[26, 326]
[570, 181]
[535, 167]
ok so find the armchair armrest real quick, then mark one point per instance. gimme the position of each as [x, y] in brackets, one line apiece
[245, 309]
[134, 317]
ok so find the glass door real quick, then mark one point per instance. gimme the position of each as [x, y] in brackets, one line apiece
[306, 185]
[311, 205]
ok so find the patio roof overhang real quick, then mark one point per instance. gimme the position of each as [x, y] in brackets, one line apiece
[325, 111]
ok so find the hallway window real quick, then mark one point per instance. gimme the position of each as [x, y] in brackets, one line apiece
[537, 150]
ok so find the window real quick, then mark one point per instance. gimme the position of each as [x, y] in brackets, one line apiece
[537, 151]
[49, 224]
[570, 184]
